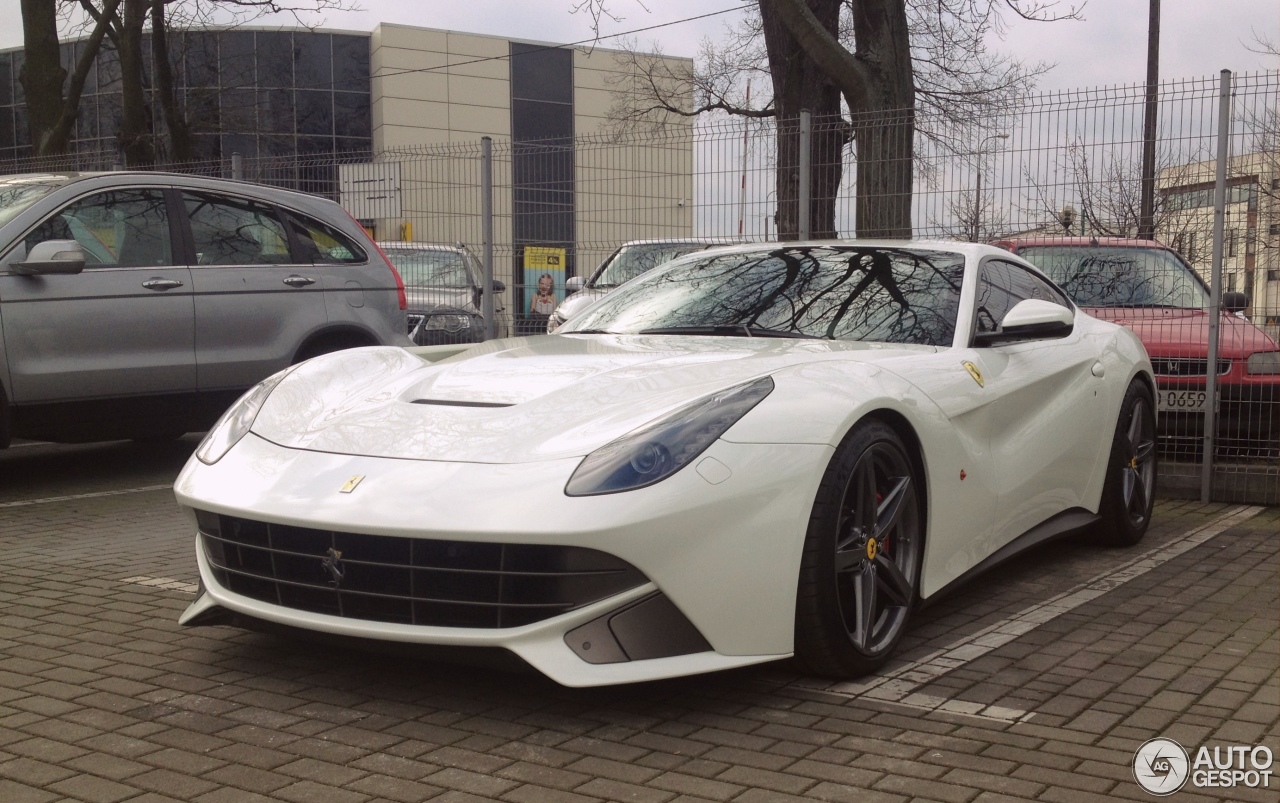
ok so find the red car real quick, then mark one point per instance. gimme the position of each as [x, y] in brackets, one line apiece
[1149, 288]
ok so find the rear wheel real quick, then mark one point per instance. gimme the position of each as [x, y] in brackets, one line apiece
[1129, 493]
[862, 555]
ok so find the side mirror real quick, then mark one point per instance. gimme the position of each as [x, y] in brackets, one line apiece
[1233, 301]
[499, 287]
[1031, 319]
[574, 284]
[51, 256]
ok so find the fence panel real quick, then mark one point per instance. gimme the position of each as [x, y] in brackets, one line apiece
[1058, 178]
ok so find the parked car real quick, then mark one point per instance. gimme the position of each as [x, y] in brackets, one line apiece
[1149, 288]
[444, 287]
[623, 265]
[140, 305]
[755, 452]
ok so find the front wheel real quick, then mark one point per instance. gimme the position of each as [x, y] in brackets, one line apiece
[1130, 489]
[862, 555]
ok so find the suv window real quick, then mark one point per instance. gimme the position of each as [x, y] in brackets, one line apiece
[120, 228]
[235, 231]
[1004, 284]
[323, 244]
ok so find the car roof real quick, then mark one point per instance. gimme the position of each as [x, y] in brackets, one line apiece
[403, 245]
[156, 177]
[1104, 242]
[683, 241]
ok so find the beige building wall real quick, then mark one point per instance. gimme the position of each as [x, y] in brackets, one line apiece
[631, 184]
[436, 93]
[1251, 249]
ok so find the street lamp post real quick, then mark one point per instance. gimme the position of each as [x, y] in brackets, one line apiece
[977, 187]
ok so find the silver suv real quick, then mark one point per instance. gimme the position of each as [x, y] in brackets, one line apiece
[139, 305]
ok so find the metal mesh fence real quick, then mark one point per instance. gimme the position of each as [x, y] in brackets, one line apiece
[1057, 179]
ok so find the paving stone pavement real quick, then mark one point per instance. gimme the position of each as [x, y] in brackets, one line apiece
[104, 698]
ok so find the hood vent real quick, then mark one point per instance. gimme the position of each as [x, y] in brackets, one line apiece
[460, 403]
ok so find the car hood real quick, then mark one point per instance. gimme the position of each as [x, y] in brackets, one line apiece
[425, 299]
[521, 399]
[1185, 332]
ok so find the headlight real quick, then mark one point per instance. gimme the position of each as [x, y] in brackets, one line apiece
[235, 422]
[661, 448]
[1263, 362]
[451, 323]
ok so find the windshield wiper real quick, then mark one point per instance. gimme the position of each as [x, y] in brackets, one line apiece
[728, 330]
[590, 332]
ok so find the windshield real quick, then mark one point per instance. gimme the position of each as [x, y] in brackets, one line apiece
[19, 192]
[893, 295]
[428, 268]
[1098, 276]
[630, 261]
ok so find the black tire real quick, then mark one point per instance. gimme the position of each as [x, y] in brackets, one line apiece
[1130, 485]
[862, 554]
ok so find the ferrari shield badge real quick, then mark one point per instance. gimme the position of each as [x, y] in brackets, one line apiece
[975, 373]
[351, 484]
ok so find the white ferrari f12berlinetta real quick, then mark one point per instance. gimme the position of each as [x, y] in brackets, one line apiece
[750, 453]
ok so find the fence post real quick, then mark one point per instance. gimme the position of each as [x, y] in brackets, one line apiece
[486, 233]
[237, 167]
[1215, 285]
[806, 170]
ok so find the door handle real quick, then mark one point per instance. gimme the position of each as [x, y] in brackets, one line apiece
[161, 284]
[299, 281]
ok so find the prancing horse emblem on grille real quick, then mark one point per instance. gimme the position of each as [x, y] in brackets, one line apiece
[332, 563]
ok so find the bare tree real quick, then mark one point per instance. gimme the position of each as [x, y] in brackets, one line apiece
[53, 96]
[895, 63]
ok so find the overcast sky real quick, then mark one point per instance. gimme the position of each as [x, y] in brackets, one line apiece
[1198, 37]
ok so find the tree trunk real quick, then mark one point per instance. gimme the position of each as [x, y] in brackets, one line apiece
[135, 130]
[878, 84]
[884, 131]
[180, 142]
[42, 74]
[799, 83]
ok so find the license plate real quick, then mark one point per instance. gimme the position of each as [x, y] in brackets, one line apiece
[1180, 401]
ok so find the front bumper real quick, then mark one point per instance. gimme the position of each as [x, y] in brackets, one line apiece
[726, 555]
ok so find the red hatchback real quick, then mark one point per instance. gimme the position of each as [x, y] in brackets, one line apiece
[1148, 288]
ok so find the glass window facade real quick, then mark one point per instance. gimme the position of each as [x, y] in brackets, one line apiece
[255, 93]
[541, 160]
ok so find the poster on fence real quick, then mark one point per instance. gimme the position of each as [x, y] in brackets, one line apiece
[543, 284]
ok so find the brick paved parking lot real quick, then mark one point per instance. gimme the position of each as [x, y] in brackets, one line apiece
[1037, 682]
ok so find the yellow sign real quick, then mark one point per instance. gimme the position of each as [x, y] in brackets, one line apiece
[543, 282]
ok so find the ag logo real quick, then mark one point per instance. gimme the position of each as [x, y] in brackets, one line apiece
[1160, 766]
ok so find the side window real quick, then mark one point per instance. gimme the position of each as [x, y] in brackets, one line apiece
[1002, 285]
[322, 244]
[996, 295]
[1028, 285]
[120, 228]
[235, 231]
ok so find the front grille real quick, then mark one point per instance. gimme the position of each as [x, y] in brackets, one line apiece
[1180, 366]
[414, 581]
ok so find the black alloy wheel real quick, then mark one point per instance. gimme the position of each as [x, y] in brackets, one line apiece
[862, 558]
[1129, 493]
